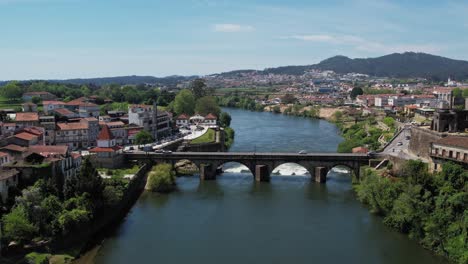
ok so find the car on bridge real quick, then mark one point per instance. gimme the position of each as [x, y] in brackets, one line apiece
[302, 152]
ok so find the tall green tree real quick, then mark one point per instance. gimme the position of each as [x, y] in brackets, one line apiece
[12, 90]
[206, 105]
[143, 137]
[184, 102]
[225, 119]
[199, 88]
[356, 91]
[17, 227]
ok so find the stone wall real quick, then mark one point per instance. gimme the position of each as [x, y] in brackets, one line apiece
[421, 139]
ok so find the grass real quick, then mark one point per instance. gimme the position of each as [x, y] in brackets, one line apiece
[208, 137]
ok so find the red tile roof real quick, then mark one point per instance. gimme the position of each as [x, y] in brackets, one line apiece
[53, 103]
[210, 116]
[183, 117]
[3, 154]
[49, 150]
[14, 147]
[105, 134]
[25, 136]
[75, 155]
[63, 111]
[73, 126]
[454, 141]
[33, 130]
[98, 149]
[27, 117]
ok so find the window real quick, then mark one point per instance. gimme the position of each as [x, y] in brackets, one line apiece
[457, 155]
[450, 154]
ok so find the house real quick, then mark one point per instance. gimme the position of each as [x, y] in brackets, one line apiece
[182, 120]
[27, 119]
[48, 124]
[16, 152]
[4, 158]
[211, 120]
[77, 135]
[8, 179]
[197, 119]
[118, 131]
[7, 129]
[29, 107]
[107, 153]
[64, 113]
[450, 120]
[83, 107]
[147, 116]
[450, 148]
[60, 156]
[23, 139]
[49, 106]
[43, 95]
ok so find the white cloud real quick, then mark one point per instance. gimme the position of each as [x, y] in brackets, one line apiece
[362, 44]
[232, 28]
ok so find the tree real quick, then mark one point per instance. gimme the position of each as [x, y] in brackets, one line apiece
[225, 119]
[457, 93]
[289, 99]
[36, 100]
[356, 91]
[198, 88]
[206, 105]
[465, 93]
[12, 90]
[143, 137]
[17, 227]
[184, 103]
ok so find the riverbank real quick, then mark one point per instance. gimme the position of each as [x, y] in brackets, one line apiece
[430, 209]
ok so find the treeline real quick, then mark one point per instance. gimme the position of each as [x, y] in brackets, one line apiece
[49, 210]
[240, 102]
[137, 94]
[431, 209]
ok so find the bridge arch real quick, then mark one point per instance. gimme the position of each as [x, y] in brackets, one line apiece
[343, 168]
[291, 168]
[233, 166]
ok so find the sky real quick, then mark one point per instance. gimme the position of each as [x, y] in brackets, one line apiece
[60, 39]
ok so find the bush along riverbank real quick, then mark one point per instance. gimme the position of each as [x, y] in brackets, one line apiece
[431, 209]
[161, 179]
[56, 221]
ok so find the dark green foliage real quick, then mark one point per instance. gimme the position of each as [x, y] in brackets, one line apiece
[184, 102]
[199, 88]
[359, 134]
[17, 226]
[229, 137]
[225, 119]
[206, 105]
[356, 91]
[143, 137]
[429, 208]
[240, 102]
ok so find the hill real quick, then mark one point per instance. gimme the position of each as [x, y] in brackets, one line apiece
[400, 65]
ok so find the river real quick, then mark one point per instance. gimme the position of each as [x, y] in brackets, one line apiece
[236, 220]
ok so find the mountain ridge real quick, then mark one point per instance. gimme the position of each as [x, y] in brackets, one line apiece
[395, 65]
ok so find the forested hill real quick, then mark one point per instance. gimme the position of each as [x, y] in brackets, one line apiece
[397, 65]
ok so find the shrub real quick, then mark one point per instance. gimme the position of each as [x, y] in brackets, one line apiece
[161, 179]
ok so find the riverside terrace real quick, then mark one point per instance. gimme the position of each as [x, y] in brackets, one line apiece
[261, 165]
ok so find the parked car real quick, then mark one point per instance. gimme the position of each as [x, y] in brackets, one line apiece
[399, 143]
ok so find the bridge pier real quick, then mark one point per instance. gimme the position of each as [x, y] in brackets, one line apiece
[207, 172]
[262, 174]
[321, 174]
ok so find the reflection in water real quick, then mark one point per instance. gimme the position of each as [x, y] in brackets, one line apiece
[236, 220]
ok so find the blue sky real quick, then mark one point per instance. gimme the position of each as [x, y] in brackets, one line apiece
[57, 39]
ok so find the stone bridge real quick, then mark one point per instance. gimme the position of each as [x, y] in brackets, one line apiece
[261, 165]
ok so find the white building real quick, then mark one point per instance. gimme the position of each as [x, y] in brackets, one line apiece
[147, 116]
